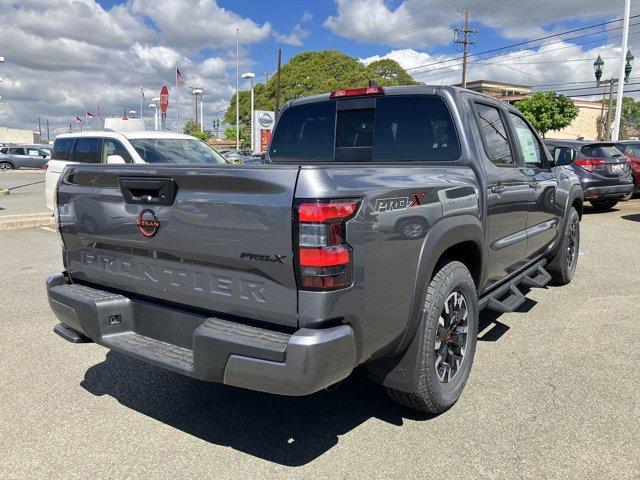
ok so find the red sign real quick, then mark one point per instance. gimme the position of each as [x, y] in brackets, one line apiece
[265, 136]
[164, 99]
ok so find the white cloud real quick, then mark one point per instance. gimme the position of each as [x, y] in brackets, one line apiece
[424, 23]
[295, 38]
[64, 57]
[307, 17]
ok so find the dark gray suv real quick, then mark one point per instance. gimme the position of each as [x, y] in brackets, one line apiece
[603, 170]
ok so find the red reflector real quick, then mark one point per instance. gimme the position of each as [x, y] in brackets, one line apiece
[356, 92]
[318, 212]
[324, 257]
[589, 164]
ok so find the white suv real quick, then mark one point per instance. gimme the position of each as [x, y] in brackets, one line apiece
[124, 147]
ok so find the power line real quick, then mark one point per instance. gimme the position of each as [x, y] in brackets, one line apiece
[463, 38]
[480, 62]
[526, 42]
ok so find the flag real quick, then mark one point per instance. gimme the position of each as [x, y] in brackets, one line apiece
[180, 77]
[99, 112]
[142, 91]
[78, 119]
[89, 115]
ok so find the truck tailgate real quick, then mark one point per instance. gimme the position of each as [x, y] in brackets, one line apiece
[216, 238]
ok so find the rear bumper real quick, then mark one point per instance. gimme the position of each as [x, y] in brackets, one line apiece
[202, 347]
[608, 192]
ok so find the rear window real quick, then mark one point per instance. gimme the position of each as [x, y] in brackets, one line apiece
[62, 149]
[397, 129]
[600, 151]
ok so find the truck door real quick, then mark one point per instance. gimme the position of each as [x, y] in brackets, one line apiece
[507, 195]
[544, 215]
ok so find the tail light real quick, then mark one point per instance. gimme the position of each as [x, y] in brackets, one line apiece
[324, 260]
[589, 164]
[356, 92]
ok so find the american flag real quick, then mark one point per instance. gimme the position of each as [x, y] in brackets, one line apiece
[180, 77]
[89, 115]
[78, 119]
[142, 91]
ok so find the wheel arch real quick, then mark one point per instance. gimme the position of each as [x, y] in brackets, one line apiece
[458, 238]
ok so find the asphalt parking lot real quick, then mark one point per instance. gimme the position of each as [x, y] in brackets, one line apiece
[554, 393]
[26, 192]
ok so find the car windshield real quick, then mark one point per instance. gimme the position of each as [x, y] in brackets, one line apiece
[176, 150]
[600, 151]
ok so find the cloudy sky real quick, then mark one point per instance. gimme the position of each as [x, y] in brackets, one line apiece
[63, 57]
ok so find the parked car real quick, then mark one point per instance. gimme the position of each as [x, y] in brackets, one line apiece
[24, 156]
[603, 170]
[124, 147]
[631, 149]
[237, 156]
[273, 278]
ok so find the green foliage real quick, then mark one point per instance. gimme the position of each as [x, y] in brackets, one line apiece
[548, 111]
[389, 72]
[193, 128]
[245, 135]
[311, 73]
[630, 115]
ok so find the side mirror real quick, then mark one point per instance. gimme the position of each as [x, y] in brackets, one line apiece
[115, 159]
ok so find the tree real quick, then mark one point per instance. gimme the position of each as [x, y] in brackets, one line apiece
[245, 135]
[311, 73]
[193, 128]
[628, 116]
[548, 111]
[389, 72]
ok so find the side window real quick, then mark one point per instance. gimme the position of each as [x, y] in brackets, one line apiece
[114, 147]
[33, 152]
[16, 151]
[3, 150]
[495, 136]
[89, 150]
[529, 144]
[62, 149]
[564, 155]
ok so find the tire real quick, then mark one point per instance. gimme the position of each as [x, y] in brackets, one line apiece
[566, 259]
[602, 205]
[411, 229]
[4, 166]
[438, 388]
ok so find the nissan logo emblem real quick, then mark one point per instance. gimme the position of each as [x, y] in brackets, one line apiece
[147, 223]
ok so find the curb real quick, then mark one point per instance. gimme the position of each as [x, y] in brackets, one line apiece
[14, 222]
[23, 170]
[3, 192]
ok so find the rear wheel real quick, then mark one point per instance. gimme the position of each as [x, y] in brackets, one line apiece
[566, 260]
[450, 328]
[4, 166]
[603, 204]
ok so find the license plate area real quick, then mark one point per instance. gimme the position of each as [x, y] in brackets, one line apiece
[617, 168]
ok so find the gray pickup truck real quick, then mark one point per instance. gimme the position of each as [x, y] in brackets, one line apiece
[382, 223]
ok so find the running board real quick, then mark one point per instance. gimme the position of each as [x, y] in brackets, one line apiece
[513, 299]
[538, 279]
[508, 297]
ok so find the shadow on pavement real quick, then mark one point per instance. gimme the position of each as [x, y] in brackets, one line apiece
[290, 431]
[632, 218]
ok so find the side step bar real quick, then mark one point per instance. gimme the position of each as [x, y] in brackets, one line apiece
[508, 297]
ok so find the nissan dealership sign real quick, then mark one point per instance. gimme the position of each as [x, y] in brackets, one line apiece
[262, 126]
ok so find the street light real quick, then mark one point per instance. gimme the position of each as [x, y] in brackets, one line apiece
[250, 76]
[156, 105]
[597, 66]
[198, 91]
[155, 115]
[627, 68]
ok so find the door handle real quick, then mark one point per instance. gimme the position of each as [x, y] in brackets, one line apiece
[499, 189]
[148, 191]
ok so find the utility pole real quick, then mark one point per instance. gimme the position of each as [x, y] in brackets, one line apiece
[462, 37]
[278, 82]
[623, 53]
[48, 137]
[266, 76]
[237, 89]
[40, 129]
